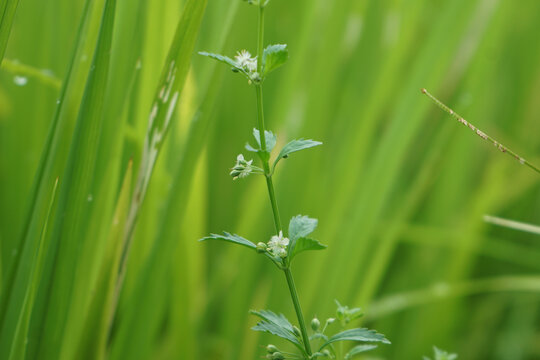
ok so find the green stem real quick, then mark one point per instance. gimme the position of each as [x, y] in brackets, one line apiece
[298, 309]
[270, 185]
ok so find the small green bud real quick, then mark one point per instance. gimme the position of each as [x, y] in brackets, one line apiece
[271, 348]
[261, 247]
[278, 356]
[297, 331]
[326, 352]
[315, 324]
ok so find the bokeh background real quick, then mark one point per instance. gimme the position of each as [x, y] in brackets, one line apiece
[399, 187]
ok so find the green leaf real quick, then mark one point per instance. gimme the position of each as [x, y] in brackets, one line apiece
[269, 136]
[295, 145]
[222, 58]
[277, 325]
[273, 57]
[230, 238]
[301, 226]
[359, 334]
[359, 349]
[442, 355]
[305, 244]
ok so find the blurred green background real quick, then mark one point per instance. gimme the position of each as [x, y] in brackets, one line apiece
[399, 187]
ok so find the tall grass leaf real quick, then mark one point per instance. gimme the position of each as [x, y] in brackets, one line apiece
[15, 329]
[93, 340]
[166, 98]
[75, 197]
[7, 9]
[167, 95]
[15, 284]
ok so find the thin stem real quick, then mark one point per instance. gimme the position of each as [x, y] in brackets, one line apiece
[270, 185]
[298, 309]
[260, 42]
[479, 132]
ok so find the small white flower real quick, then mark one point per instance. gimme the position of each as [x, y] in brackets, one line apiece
[245, 61]
[242, 168]
[278, 245]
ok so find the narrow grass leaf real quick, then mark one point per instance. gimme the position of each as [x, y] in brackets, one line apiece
[14, 334]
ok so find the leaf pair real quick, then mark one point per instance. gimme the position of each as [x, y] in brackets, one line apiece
[271, 139]
[299, 228]
[277, 325]
[273, 57]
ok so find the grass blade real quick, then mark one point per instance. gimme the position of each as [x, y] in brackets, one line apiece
[15, 329]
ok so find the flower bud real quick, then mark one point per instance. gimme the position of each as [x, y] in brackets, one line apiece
[297, 331]
[271, 348]
[278, 356]
[261, 247]
[326, 353]
[315, 324]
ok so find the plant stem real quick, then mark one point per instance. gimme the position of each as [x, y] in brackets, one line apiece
[298, 309]
[270, 185]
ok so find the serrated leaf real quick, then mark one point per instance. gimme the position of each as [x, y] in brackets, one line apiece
[273, 57]
[230, 238]
[305, 244]
[269, 136]
[359, 334]
[443, 355]
[301, 226]
[358, 350]
[277, 325]
[295, 145]
[222, 58]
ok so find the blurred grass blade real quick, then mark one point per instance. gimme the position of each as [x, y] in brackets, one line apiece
[15, 329]
[75, 202]
[19, 69]
[8, 10]
[94, 338]
[511, 224]
[166, 98]
[14, 286]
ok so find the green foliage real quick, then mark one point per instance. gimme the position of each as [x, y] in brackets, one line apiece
[273, 57]
[394, 182]
[277, 325]
[231, 238]
[293, 146]
[442, 355]
[359, 349]
[360, 334]
[270, 138]
[305, 244]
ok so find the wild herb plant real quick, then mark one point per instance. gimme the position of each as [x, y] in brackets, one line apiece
[283, 247]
